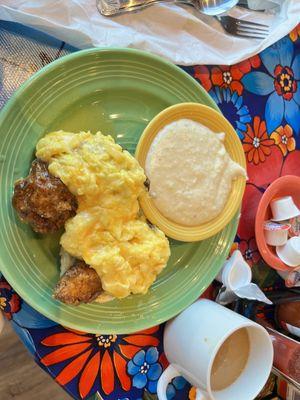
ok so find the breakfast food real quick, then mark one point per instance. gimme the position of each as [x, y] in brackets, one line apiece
[42, 200]
[79, 284]
[127, 255]
[108, 248]
[190, 172]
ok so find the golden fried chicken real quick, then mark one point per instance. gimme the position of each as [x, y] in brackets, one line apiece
[42, 200]
[79, 284]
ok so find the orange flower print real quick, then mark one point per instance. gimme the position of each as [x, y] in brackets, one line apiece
[257, 144]
[250, 251]
[284, 82]
[234, 247]
[201, 72]
[228, 77]
[283, 138]
[106, 340]
[98, 361]
[192, 393]
[246, 65]
[295, 34]
[10, 302]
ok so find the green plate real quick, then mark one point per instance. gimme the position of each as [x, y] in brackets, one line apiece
[117, 91]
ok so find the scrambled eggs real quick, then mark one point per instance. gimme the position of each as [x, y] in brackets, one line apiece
[107, 232]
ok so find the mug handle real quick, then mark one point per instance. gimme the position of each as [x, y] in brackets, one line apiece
[166, 377]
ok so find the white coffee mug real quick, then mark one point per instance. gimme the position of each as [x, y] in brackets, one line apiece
[192, 341]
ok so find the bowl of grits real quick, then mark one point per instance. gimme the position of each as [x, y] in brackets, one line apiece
[196, 169]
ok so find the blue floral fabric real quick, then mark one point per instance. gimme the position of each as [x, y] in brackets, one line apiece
[232, 105]
[279, 59]
[261, 98]
[145, 369]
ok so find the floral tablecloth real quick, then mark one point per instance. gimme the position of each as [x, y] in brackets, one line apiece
[261, 98]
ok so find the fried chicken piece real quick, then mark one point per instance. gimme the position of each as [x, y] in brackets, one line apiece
[42, 200]
[80, 284]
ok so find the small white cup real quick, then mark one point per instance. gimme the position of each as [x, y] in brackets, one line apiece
[284, 208]
[289, 253]
[192, 341]
[235, 272]
[276, 234]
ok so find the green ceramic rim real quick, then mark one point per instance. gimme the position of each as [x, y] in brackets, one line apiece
[68, 85]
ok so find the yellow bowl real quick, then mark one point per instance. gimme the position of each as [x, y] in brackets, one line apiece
[217, 123]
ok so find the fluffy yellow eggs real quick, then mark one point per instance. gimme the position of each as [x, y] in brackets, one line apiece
[107, 233]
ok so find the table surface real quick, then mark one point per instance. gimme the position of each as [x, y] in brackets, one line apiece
[261, 98]
[22, 378]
